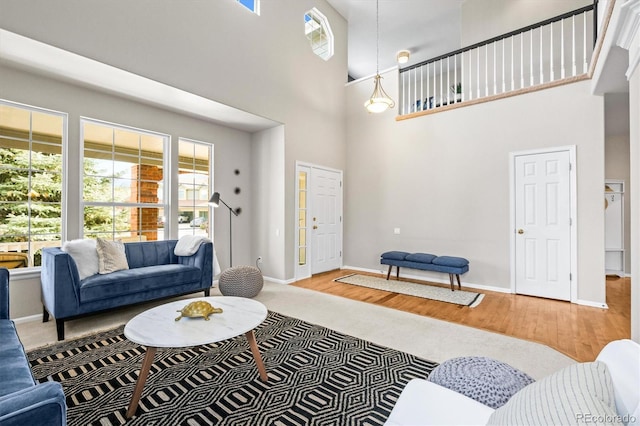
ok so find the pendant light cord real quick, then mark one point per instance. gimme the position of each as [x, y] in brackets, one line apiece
[377, 37]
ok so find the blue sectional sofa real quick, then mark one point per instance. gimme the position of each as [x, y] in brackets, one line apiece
[22, 400]
[154, 272]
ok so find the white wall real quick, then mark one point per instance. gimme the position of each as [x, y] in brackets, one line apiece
[231, 147]
[443, 179]
[482, 20]
[267, 166]
[218, 50]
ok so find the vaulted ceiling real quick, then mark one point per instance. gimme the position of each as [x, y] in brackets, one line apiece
[427, 28]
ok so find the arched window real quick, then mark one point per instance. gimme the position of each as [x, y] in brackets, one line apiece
[318, 31]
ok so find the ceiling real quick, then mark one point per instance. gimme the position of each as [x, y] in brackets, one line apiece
[427, 28]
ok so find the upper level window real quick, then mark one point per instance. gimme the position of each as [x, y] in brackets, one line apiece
[31, 182]
[318, 31]
[252, 5]
[123, 181]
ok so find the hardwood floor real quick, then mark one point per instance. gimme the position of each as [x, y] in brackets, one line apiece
[575, 330]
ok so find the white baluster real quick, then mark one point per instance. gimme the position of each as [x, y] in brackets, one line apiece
[551, 73]
[531, 58]
[513, 85]
[435, 92]
[495, 87]
[521, 60]
[584, 42]
[541, 58]
[503, 84]
[415, 88]
[448, 89]
[455, 77]
[562, 72]
[404, 100]
[441, 82]
[428, 86]
[470, 80]
[573, 46]
[461, 76]
[422, 88]
[478, 74]
[486, 70]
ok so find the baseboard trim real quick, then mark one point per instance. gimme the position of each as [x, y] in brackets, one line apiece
[278, 281]
[435, 280]
[592, 304]
[30, 318]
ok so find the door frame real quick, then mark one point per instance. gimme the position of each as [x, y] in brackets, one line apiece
[573, 206]
[305, 272]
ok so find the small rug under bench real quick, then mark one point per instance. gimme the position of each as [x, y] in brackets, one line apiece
[317, 376]
[426, 291]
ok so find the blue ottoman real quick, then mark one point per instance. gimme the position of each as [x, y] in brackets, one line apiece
[486, 380]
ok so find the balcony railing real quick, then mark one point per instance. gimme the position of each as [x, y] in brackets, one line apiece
[556, 49]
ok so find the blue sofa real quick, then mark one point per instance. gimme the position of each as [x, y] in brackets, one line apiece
[155, 272]
[22, 400]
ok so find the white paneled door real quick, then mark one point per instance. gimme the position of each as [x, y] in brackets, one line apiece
[326, 220]
[543, 224]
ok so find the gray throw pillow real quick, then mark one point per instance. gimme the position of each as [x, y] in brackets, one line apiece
[111, 256]
[580, 394]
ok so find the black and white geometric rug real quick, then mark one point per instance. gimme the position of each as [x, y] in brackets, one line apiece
[317, 376]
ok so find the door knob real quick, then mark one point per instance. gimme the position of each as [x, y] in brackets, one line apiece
[520, 231]
[315, 226]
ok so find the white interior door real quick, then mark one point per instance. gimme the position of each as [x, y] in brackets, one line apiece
[543, 225]
[326, 220]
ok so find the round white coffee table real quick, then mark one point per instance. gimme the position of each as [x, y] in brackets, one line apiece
[157, 328]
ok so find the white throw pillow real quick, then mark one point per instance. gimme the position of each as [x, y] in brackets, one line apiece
[111, 256]
[85, 254]
[580, 394]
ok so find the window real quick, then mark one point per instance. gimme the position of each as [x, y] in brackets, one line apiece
[195, 162]
[123, 181]
[31, 182]
[318, 32]
[252, 5]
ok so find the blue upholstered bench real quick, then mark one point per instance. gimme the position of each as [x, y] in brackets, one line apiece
[425, 262]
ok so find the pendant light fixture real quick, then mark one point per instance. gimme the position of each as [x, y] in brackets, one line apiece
[379, 100]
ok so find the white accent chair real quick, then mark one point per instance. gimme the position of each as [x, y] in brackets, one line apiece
[425, 403]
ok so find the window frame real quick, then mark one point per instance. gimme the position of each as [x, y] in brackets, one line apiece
[211, 210]
[321, 20]
[166, 159]
[64, 174]
[256, 6]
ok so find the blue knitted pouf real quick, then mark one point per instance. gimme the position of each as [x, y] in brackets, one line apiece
[486, 380]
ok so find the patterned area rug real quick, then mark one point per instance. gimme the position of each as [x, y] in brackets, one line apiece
[317, 376]
[459, 297]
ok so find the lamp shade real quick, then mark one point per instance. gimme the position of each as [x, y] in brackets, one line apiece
[215, 199]
[379, 100]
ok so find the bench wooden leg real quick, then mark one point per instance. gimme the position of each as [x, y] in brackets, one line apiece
[458, 277]
[398, 273]
[389, 272]
[451, 281]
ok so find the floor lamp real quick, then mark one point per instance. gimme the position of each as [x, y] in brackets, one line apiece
[215, 201]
